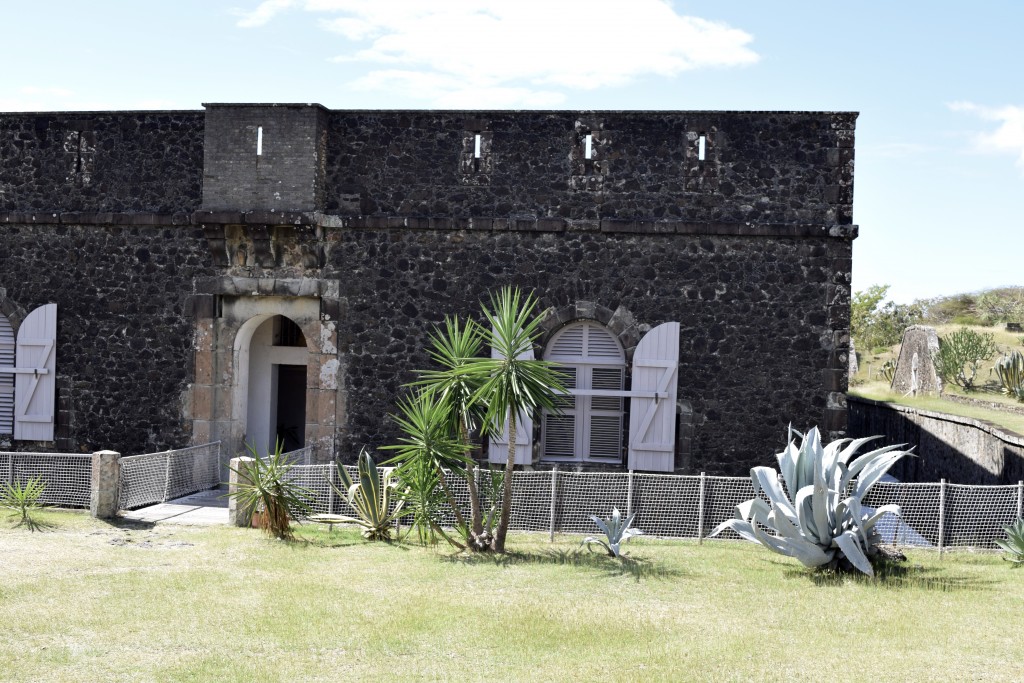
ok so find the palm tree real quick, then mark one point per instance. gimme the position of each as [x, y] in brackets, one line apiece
[510, 385]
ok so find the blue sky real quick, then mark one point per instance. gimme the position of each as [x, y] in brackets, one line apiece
[940, 139]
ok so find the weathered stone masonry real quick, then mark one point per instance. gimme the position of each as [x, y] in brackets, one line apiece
[387, 221]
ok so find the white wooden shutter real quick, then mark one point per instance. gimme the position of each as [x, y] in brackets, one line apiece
[35, 375]
[652, 409]
[6, 376]
[498, 452]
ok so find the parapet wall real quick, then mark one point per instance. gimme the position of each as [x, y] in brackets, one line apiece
[700, 167]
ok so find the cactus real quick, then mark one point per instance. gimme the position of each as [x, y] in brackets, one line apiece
[1010, 371]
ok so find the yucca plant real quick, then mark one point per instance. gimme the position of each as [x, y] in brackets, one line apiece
[1014, 543]
[265, 488]
[371, 497]
[23, 498]
[616, 532]
[809, 514]
[1010, 371]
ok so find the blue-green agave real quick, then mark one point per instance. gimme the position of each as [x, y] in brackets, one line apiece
[616, 532]
[1014, 543]
[821, 524]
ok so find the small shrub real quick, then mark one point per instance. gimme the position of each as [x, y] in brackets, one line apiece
[616, 532]
[1014, 543]
[960, 355]
[1010, 371]
[264, 487]
[888, 370]
[23, 498]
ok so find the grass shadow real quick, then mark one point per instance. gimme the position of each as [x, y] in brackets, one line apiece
[895, 576]
[29, 522]
[636, 567]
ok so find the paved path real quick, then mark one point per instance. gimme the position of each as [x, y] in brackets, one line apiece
[203, 508]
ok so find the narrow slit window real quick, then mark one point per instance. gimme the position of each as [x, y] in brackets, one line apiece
[78, 158]
[702, 147]
[588, 152]
[476, 146]
[259, 141]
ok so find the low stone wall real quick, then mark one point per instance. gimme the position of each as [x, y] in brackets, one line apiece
[960, 449]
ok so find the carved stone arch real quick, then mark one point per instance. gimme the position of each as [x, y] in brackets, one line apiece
[620, 322]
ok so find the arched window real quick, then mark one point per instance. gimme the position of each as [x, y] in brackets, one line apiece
[591, 424]
[6, 378]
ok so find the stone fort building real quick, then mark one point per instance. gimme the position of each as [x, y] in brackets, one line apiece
[246, 271]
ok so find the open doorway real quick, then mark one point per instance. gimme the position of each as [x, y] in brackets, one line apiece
[276, 400]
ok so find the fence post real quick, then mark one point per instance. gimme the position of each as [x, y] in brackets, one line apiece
[629, 494]
[167, 477]
[330, 489]
[554, 494]
[238, 515]
[1020, 500]
[942, 513]
[104, 494]
[700, 511]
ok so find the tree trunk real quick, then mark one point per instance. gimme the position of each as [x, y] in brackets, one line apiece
[474, 497]
[451, 499]
[506, 494]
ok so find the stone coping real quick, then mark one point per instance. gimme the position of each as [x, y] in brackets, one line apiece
[604, 225]
[997, 431]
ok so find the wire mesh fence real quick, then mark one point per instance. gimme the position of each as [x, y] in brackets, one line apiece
[158, 477]
[66, 477]
[934, 515]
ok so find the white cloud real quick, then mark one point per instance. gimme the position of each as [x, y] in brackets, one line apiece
[1008, 136]
[263, 13]
[517, 52]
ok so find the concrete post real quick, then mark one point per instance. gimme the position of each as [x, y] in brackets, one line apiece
[238, 515]
[104, 496]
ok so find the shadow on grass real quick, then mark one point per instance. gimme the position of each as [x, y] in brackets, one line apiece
[638, 568]
[896, 576]
[29, 522]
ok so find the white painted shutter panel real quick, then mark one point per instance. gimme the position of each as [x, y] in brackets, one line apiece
[35, 382]
[652, 419]
[498, 452]
[6, 376]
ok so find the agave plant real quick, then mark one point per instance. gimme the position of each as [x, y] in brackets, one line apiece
[1014, 543]
[1010, 371]
[371, 497]
[23, 498]
[616, 532]
[820, 525]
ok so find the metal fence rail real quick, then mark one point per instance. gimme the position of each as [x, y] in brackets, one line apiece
[66, 476]
[936, 515]
[158, 477]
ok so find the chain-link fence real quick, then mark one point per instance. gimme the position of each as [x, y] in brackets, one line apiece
[158, 477]
[937, 516]
[66, 477]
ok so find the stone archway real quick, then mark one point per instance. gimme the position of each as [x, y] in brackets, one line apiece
[233, 396]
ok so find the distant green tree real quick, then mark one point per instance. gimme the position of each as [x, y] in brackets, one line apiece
[874, 324]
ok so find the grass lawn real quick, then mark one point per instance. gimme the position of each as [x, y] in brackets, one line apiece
[87, 601]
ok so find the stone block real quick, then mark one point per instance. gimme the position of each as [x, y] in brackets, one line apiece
[104, 496]
[915, 367]
[238, 514]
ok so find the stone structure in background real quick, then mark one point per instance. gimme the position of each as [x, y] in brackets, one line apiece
[854, 364]
[915, 367]
[225, 273]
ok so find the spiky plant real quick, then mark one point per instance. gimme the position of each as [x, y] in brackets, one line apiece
[1010, 371]
[371, 497]
[812, 518]
[616, 532]
[265, 487]
[23, 498]
[1014, 543]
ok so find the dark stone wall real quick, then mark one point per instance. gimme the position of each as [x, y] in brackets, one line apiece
[124, 326]
[110, 161]
[760, 167]
[756, 340]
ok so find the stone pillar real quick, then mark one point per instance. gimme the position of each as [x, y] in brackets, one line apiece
[238, 515]
[105, 490]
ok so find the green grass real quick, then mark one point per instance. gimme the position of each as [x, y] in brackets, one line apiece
[87, 601]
